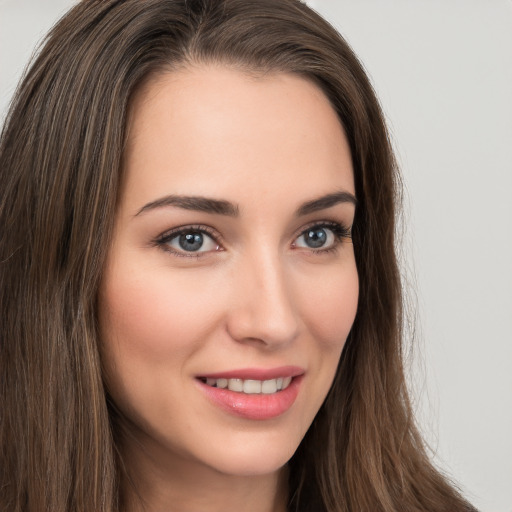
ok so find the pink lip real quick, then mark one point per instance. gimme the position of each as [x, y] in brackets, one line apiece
[257, 406]
[256, 373]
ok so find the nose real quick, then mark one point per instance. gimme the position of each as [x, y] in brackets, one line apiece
[263, 310]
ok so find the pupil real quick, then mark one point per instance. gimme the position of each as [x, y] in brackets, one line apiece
[191, 241]
[316, 238]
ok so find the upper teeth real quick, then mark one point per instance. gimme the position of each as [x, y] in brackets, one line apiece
[250, 386]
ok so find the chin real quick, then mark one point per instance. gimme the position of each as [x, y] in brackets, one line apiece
[261, 463]
[252, 454]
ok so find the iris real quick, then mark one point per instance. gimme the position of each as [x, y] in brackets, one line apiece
[191, 241]
[315, 238]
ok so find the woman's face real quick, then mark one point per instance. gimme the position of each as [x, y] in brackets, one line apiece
[231, 265]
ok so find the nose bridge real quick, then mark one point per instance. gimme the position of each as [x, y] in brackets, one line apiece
[264, 308]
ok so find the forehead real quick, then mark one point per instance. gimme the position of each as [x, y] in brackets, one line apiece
[214, 130]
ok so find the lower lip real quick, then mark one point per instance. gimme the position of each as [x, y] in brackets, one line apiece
[257, 406]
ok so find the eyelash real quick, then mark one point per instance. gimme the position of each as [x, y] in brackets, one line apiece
[339, 230]
[163, 240]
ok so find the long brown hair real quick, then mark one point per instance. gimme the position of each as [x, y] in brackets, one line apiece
[60, 166]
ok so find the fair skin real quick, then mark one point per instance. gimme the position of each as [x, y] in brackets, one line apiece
[259, 284]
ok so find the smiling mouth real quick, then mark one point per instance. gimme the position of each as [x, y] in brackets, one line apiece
[253, 393]
[249, 386]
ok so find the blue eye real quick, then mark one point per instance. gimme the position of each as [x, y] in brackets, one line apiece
[322, 237]
[189, 241]
[316, 238]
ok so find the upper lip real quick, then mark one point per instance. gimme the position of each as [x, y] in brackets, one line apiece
[256, 373]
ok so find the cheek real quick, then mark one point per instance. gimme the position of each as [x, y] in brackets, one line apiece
[329, 307]
[151, 322]
[152, 317]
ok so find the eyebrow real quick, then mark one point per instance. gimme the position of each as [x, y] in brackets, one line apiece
[327, 201]
[222, 207]
[196, 203]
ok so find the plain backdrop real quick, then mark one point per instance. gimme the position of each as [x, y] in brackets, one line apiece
[443, 72]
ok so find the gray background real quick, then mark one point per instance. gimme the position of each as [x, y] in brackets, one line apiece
[443, 71]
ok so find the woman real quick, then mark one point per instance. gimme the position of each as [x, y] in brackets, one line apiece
[200, 299]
